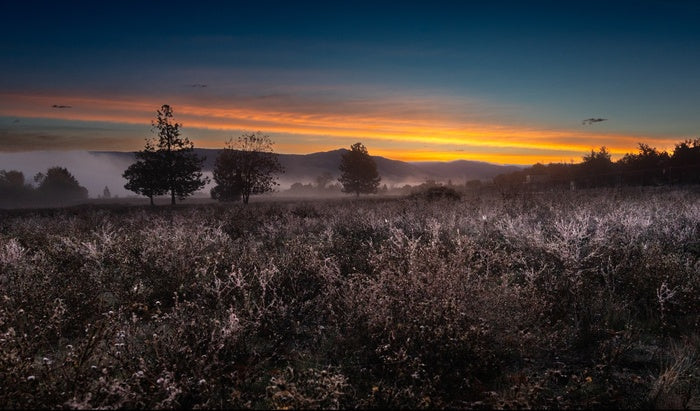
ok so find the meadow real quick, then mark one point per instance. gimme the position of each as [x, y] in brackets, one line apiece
[553, 299]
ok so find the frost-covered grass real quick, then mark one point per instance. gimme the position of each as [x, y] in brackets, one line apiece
[557, 299]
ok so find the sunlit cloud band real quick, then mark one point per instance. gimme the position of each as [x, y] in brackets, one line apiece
[403, 127]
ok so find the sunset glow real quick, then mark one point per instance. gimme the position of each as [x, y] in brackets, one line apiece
[409, 138]
[518, 95]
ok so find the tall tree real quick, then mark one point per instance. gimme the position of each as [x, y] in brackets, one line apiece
[358, 171]
[246, 166]
[168, 164]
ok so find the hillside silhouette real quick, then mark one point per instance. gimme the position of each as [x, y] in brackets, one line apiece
[306, 167]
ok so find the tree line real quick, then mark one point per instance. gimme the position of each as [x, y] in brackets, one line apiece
[56, 186]
[246, 166]
[648, 166]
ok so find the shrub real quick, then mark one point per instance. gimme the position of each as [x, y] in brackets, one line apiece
[573, 300]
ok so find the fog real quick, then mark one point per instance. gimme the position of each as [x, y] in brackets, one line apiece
[93, 171]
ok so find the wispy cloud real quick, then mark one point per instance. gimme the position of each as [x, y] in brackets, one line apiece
[394, 123]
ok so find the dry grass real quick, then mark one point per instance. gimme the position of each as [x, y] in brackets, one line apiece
[541, 300]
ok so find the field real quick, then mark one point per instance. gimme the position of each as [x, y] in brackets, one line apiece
[565, 299]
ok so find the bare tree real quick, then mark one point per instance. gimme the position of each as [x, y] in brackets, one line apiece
[246, 166]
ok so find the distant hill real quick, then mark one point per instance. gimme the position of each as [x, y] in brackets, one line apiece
[305, 168]
[464, 170]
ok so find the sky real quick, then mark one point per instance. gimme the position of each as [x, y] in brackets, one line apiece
[503, 82]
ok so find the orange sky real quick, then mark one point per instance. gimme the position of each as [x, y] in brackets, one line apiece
[505, 82]
[399, 127]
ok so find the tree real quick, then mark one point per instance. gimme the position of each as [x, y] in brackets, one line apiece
[687, 153]
[246, 166]
[58, 184]
[168, 164]
[685, 162]
[145, 175]
[598, 161]
[646, 167]
[597, 167]
[358, 171]
[13, 189]
[12, 178]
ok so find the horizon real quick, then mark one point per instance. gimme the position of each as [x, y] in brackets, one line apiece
[359, 204]
[340, 149]
[95, 171]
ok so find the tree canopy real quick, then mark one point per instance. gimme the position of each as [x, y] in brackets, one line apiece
[246, 166]
[358, 171]
[648, 166]
[58, 184]
[167, 164]
[143, 177]
[685, 162]
[14, 190]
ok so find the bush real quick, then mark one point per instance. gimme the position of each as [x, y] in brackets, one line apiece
[574, 300]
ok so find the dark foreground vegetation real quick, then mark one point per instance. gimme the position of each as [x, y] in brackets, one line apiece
[648, 166]
[562, 299]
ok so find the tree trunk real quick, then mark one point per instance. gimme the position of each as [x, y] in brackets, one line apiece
[151, 198]
[172, 197]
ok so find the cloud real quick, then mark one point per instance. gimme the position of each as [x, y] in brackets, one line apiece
[300, 120]
[590, 121]
[59, 136]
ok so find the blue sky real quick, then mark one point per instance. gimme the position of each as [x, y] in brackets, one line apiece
[495, 81]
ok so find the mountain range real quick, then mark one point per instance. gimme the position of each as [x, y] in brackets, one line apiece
[304, 168]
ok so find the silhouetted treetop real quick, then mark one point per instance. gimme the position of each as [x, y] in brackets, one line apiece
[168, 164]
[647, 166]
[358, 171]
[246, 166]
[58, 184]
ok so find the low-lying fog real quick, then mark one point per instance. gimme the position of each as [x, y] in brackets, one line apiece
[93, 171]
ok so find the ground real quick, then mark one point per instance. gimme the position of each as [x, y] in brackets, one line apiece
[563, 299]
